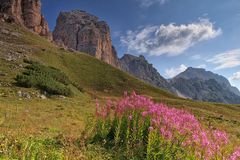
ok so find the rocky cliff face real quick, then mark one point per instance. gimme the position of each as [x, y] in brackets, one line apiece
[83, 32]
[203, 85]
[140, 68]
[26, 13]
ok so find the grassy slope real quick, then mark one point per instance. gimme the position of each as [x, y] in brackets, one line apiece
[51, 117]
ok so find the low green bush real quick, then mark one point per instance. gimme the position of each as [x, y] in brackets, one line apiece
[45, 78]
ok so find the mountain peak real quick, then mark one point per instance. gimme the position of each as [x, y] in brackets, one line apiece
[82, 31]
[199, 73]
[142, 57]
[132, 57]
[200, 84]
[195, 69]
[78, 15]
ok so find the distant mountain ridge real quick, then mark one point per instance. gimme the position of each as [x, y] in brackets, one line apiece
[140, 68]
[207, 75]
[200, 84]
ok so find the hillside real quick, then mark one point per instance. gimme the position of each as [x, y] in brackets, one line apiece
[67, 117]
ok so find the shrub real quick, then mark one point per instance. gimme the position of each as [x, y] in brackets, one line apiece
[140, 129]
[48, 79]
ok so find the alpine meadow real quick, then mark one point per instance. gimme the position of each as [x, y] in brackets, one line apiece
[119, 80]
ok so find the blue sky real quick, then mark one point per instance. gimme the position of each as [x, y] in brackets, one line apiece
[171, 34]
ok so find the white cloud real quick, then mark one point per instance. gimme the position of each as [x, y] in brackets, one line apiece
[196, 57]
[202, 66]
[172, 72]
[148, 3]
[227, 59]
[169, 39]
[235, 76]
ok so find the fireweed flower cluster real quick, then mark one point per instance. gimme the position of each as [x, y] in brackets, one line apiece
[164, 132]
[235, 155]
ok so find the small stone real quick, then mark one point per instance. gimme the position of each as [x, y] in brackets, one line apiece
[106, 91]
[43, 96]
[15, 34]
[27, 95]
[21, 65]
[4, 31]
[71, 50]
[23, 95]
[62, 97]
[19, 93]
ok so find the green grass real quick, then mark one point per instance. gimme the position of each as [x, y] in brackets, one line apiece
[31, 149]
[44, 119]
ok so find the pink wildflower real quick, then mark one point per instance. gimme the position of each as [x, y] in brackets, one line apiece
[220, 136]
[235, 155]
[150, 128]
[172, 124]
[130, 117]
[144, 114]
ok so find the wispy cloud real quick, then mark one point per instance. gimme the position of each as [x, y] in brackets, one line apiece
[148, 3]
[172, 72]
[202, 66]
[169, 39]
[196, 57]
[235, 76]
[227, 59]
[116, 33]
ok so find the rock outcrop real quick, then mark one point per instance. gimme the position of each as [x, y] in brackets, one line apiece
[140, 68]
[84, 32]
[199, 84]
[26, 13]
